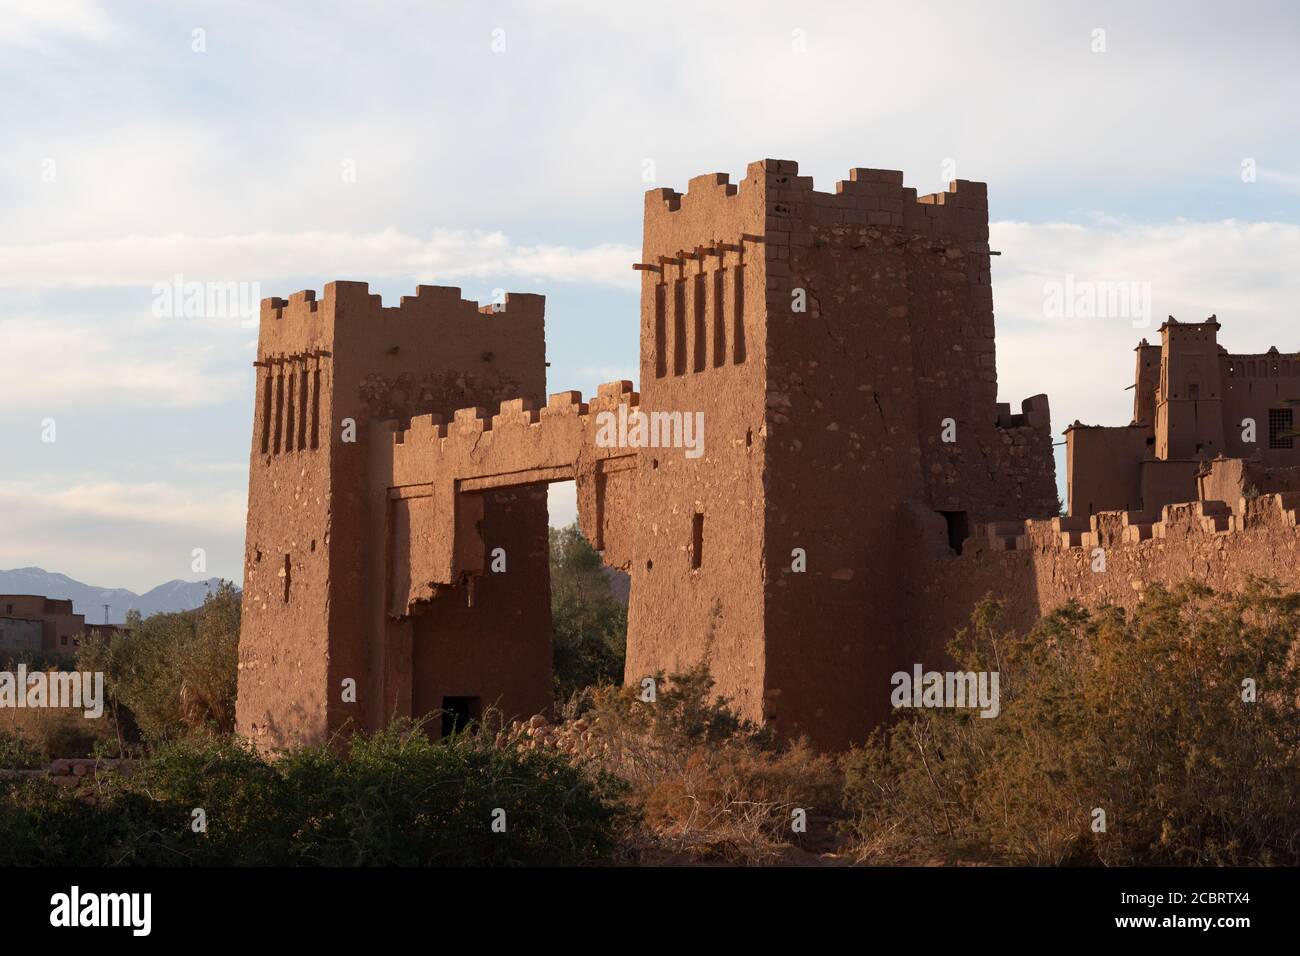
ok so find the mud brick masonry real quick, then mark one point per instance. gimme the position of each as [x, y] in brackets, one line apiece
[860, 487]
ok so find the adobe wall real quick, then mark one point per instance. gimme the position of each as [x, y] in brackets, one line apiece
[284, 648]
[1254, 384]
[1040, 565]
[59, 627]
[1146, 380]
[1103, 467]
[1189, 414]
[1165, 483]
[703, 332]
[454, 493]
[833, 343]
[18, 636]
[896, 338]
[1228, 479]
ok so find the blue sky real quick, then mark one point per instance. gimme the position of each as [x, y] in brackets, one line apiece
[505, 146]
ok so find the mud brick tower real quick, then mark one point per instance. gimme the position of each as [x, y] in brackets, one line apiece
[829, 338]
[328, 372]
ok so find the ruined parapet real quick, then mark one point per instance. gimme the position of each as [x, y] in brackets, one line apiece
[773, 188]
[1110, 530]
[1136, 526]
[996, 536]
[441, 470]
[1265, 511]
[476, 446]
[1035, 413]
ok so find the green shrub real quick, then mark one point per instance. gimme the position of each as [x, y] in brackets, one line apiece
[402, 799]
[19, 753]
[396, 799]
[589, 624]
[41, 824]
[1140, 715]
[172, 674]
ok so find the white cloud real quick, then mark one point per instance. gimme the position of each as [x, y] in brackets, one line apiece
[57, 362]
[1239, 271]
[561, 503]
[40, 24]
[390, 253]
[608, 373]
[147, 503]
[121, 535]
[553, 131]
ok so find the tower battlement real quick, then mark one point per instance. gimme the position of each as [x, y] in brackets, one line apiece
[305, 317]
[777, 181]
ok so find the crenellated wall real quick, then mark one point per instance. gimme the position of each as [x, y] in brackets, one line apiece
[1111, 557]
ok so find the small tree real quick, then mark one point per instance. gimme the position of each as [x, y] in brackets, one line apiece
[589, 624]
[172, 674]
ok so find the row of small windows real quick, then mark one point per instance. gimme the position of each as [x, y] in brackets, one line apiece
[290, 409]
[1264, 367]
[700, 330]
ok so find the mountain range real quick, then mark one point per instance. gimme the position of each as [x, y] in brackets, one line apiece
[89, 600]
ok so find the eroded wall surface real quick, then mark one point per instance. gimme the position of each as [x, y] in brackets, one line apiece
[1034, 567]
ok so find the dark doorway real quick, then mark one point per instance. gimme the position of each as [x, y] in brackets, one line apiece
[958, 529]
[459, 712]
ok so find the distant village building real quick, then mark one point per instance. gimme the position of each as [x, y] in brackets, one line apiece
[40, 625]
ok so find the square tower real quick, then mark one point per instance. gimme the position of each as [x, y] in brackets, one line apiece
[1189, 405]
[841, 348]
[329, 373]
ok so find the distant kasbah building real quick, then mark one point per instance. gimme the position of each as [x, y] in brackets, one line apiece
[1194, 404]
[813, 486]
[30, 623]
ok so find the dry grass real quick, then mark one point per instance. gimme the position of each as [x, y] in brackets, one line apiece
[58, 731]
[706, 785]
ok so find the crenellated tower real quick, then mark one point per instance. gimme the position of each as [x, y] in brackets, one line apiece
[841, 348]
[329, 371]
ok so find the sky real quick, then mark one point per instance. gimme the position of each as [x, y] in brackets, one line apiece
[497, 145]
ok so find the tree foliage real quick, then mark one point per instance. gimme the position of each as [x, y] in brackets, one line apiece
[172, 674]
[589, 624]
